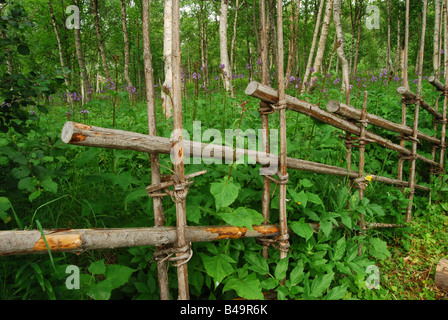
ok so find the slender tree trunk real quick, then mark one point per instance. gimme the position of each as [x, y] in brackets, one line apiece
[389, 50]
[126, 44]
[224, 55]
[436, 41]
[322, 42]
[58, 39]
[167, 102]
[358, 39]
[313, 45]
[398, 50]
[159, 219]
[85, 84]
[293, 20]
[340, 49]
[232, 46]
[100, 39]
[204, 62]
[272, 38]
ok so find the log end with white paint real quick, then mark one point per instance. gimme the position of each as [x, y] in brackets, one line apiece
[333, 106]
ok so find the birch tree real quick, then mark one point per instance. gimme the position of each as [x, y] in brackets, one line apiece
[322, 41]
[167, 103]
[100, 39]
[340, 49]
[126, 44]
[224, 55]
[293, 20]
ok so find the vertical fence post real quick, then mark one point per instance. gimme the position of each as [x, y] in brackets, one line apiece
[180, 188]
[159, 219]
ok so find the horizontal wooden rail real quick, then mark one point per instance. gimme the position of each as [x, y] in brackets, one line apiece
[90, 136]
[355, 114]
[407, 94]
[16, 242]
[270, 95]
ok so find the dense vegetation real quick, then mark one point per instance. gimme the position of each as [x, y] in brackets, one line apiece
[48, 184]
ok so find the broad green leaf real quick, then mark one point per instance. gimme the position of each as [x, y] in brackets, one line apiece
[118, 275]
[20, 172]
[299, 198]
[269, 283]
[314, 198]
[34, 195]
[320, 284]
[378, 248]
[97, 267]
[375, 208]
[193, 213]
[337, 293]
[4, 203]
[225, 193]
[302, 229]
[49, 185]
[219, 266]
[339, 249]
[296, 274]
[257, 263]
[326, 227]
[306, 183]
[243, 217]
[249, 288]
[28, 183]
[281, 268]
[101, 290]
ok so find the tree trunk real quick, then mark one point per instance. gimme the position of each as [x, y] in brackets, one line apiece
[58, 39]
[313, 45]
[224, 55]
[167, 102]
[358, 39]
[159, 219]
[340, 49]
[436, 41]
[232, 46]
[126, 44]
[389, 50]
[293, 21]
[322, 42]
[85, 84]
[100, 39]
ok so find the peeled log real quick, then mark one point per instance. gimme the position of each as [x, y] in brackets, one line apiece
[77, 240]
[270, 95]
[355, 114]
[90, 136]
[441, 279]
[411, 96]
[436, 83]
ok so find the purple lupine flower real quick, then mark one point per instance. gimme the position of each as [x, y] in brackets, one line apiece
[248, 66]
[259, 62]
[312, 69]
[396, 78]
[222, 65]
[292, 78]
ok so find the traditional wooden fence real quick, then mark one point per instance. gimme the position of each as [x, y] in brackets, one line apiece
[173, 244]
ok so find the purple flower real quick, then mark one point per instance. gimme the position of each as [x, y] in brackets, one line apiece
[240, 76]
[442, 52]
[32, 112]
[292, 78]
[196, 76]
[216, 78]
[396, 78]
[312, 69]
[259, 62]
[415, 81]
[336, 81]
[248, 66]
[222, 65]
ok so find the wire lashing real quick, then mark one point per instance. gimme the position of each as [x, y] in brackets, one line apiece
[281, 242]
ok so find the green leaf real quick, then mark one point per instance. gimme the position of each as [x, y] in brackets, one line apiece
[306, 183]
[249, 288]
[339, 249]
[378, 248]
[296, 274]
[136, 194]
[34, 195]
[302, 229]
[375, 208]
[118, 275]
[281, 268]
[243, 217]
[49, 185]
[299, 198]
[97, 267]
[4, 204]
[320, 284]
[257, 263]
[269, 283]
[314, 198]
[225, 193]
[28, 183]
[326, 227]
[101, 290]
[20, 172]
[218, 267]
[337, 293]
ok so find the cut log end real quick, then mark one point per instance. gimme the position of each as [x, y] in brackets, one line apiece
[441, 278]
[251, 88]
[333, 106]
[402, 90]
[67, 132]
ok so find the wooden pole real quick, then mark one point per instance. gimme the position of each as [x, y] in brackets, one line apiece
[283, 174]
[418, 103]
[355, 114]
[180, 190]
[362, 182]
[90, 136]
[16, 242]
[270, 95]
[159, 219]
[441, 277]
[445, 93]
[407, 94]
